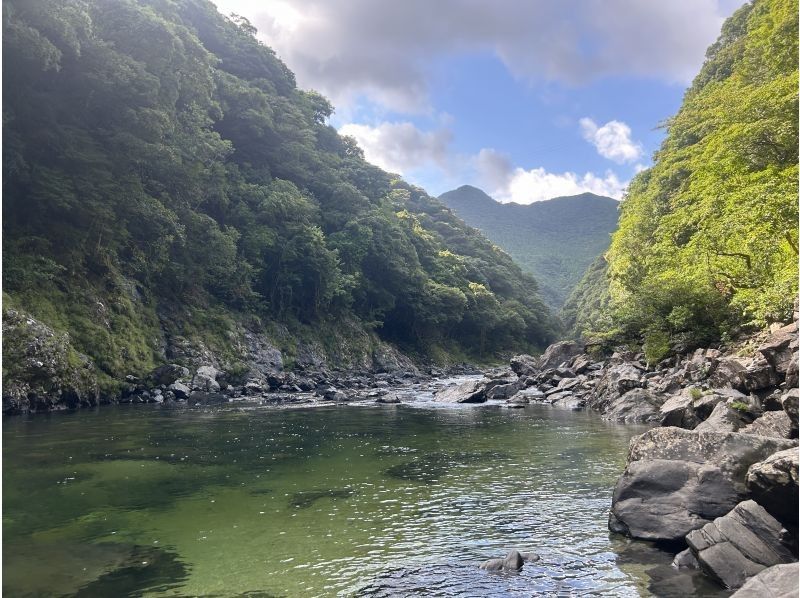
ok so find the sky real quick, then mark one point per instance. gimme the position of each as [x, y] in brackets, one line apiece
[526, 99]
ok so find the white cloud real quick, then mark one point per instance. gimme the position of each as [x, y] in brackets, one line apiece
[612, 140]
[536, 184]
[407, 150]
[384, 49]
[401, 147]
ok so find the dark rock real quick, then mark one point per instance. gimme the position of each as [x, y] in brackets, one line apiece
[678, 480]
[391, 399]
[581, 363]
[524, 365]
[512, 562]
[207, 398]
[635, 406]
[529, 557]
[559, 353]
[739, 545]
[729, 372]
[789, 402]
[167, 374]
[504, 391]
[335, 395]
[779, 347]
[773, 483]
[705, 404]
[778, 581]
[792, 372]
[472, 391]
[759, 375]
[253, 388]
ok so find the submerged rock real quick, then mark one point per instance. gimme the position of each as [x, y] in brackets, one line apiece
[512, 562]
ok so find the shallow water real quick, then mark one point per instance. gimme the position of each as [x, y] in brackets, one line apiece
[360, 500]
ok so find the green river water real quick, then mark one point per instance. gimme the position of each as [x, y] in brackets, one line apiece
[332, 501]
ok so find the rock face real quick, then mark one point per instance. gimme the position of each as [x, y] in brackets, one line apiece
[167, 374]
[773, 483]
[772, 423]
[524, 365]
[472, 391]
[558, 354]
[778, 581]
[635, 406]
[678, 480]
[739, 545]
[41, 370]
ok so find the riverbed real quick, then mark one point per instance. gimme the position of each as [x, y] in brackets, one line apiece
[365, 500]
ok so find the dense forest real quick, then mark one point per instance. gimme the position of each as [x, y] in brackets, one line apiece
[707, 243]
[554, 240]
[163, 174]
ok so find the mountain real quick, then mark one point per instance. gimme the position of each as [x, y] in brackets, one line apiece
[555, 240]
[170, 194]
[707, 245]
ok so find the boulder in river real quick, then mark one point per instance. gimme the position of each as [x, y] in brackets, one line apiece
[678, 480]
[472, 391]
[778, 581]
[513, 562]
[739, 545]
[524, 365]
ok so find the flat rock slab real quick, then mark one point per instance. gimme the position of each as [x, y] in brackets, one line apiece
[739, 545]
[472, 391]
[779, 581]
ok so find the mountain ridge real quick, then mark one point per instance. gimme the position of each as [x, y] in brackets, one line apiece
[555, 240]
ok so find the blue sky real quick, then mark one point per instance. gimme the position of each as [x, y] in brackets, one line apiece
[527, 99]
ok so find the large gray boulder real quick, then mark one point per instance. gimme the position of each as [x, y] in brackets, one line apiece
[779, 347]
[677, 411]
[678, 480]
[524, 365]
[724, 418]
[559, 353]
[778, 581]
[616, 381]
[773, 483]
[789, 403]
[739, 545]
[205, 379]
[771, 423]
[635, 407]
[472, 391]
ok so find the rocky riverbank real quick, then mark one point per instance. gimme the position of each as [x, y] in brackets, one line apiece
[717, 479]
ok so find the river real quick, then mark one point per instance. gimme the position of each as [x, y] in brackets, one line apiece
[392, 500]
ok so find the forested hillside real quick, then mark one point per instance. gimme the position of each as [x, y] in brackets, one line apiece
[555, 240]
[707, 242]
[164, 178]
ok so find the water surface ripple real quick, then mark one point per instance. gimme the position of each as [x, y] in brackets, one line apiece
[368, 501]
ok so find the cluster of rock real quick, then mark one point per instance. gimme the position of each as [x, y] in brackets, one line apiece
[513, 561]
[207, 385]
[719, 475]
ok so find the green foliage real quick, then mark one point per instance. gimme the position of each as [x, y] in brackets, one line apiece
[158, 159]
[707, 239]
[656, 346]
[695, 393]
[739, 406]
[554, 240]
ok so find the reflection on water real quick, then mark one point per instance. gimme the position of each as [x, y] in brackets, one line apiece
[379, 501]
